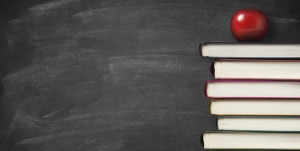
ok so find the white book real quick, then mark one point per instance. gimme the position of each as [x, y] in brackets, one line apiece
[251, 140]
[256, 69]
[249, 50]
[252, 89]
[258, 123]
[261, 107]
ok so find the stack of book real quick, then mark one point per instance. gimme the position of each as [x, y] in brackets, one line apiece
[255, 94]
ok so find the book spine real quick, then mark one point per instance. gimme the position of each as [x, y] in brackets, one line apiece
[205, 88]
[201, 140]
[201, 45]
[217, 122]
[212, 69]
[200, 49]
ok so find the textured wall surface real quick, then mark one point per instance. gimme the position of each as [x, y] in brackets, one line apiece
[115, 75]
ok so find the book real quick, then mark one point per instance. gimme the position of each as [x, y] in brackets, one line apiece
[250, 140]
[249, 50]
[256, 69]
[252, 89]
[266, 107]
[259, 123]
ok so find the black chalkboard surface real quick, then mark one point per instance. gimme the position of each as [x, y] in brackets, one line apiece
[115, 75]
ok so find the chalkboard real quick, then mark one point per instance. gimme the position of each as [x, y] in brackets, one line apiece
[115, 75]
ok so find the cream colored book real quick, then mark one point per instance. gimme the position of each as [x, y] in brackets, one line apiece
[249, 50]
[256, 69]
[259, 123]
[251, 140]
[249, 107]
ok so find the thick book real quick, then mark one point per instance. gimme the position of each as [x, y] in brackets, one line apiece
[250, 140]
[256, 107]
[252, 89]
[249, 50]
[256, 69]
[259, 123]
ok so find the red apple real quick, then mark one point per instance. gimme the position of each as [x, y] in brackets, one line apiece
[249, 25]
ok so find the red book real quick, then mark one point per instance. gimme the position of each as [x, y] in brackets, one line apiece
[256, 69]
[274, 89]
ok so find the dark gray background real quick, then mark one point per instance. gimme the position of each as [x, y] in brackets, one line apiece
[112, 75]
